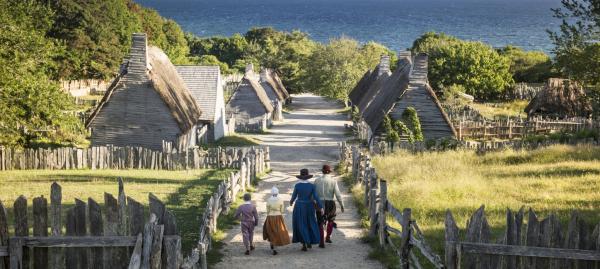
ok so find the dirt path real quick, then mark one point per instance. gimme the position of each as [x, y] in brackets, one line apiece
[308, 138]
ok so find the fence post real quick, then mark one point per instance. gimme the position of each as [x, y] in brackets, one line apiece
[382, 210]
[373, 212]
[451, 237]
[406, 234]
[268, 158]
[203, 264]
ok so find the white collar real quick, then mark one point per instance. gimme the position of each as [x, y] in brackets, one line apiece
[303, 181]
[248, 203]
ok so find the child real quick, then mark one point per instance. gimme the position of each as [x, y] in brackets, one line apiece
[274, 228]
[248, 217]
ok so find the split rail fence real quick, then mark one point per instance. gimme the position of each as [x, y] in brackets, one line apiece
[509, 129]
[110, 157]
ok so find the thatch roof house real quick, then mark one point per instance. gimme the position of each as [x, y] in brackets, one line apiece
[371, 83]
[205, 85]
[560, 98]
[250, 105]
[275, 94]
[408, 87]
[148, 103]
[280, 87]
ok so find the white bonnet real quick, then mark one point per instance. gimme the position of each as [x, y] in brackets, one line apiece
[274, 191]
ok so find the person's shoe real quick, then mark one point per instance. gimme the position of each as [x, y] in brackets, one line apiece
[328, 240]
[304, 247]
[247, 252]
[322, 245]
[274, 252]
[272, 247]
[309, 245]
[252, 248]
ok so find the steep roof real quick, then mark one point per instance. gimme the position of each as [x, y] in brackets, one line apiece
[362, 86]
[370, 84]
[560, 98]
[250, 80]
[269, 84]
[373, 89]
[153, 63]
[390, 91]
[280, 87]
[203, 83]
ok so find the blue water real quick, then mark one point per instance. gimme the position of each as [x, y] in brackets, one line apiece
[394, 23]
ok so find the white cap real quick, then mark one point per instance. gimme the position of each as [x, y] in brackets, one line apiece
[274, 191]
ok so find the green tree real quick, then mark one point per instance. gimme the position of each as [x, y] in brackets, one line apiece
[476, 66]
[33, 108]
[528, 66]
[211, 60]
[412, 122]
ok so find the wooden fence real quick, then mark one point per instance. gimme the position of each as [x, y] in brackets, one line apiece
[119, 239]
[509, 129]
[110, 157]
[402, 240]
[220, 202]
[537, 244]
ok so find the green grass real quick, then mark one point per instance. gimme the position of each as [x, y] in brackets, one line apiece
[555, 180]
[502, 109]
[236, 141]
[184, 192]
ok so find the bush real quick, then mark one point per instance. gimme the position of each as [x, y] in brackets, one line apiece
[528, 66]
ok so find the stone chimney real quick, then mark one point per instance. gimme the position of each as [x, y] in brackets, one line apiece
[138, 55]
[384, 64]
[264, 74]
[249, 69]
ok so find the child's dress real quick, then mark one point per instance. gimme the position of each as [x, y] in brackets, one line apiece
[274, 229]
[249, 219]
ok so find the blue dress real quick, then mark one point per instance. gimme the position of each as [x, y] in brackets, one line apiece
[304, 219]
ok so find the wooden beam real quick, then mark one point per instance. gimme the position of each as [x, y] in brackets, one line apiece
[80, 241]
[527, 251]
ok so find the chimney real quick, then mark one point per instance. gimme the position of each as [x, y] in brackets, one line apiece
[404, 57]
[384, 64]
[264, 74]
[138, 55]
[249, 69]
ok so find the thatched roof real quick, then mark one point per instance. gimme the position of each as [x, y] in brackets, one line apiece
[251, 81]
[373, 89]
[268, 83]
[148, 62]
[367, 87]
[280, 87]
[390, 91]
[361, 87]
[560, 98]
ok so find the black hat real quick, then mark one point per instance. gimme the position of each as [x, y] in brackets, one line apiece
[304, 175]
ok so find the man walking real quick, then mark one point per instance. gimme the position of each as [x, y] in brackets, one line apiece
[327, 188]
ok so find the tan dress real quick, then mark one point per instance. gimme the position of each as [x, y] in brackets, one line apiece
[274, 229]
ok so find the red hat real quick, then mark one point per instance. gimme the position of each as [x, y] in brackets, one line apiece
[326, 169]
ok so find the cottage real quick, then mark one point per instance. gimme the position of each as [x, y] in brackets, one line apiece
[370, 85]
[276, 96]
[408, 87]
[560, 98]
[146, 105]
[249, 105]
[206, 86]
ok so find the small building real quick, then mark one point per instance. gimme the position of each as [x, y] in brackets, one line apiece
[560, 98]
[368, 87]
[408, 87]
[250, 105]
[206, 86]
[281, 88]
[276, 96]
[146, 105]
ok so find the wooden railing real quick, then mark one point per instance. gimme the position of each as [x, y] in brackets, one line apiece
[107, 244]
[110, 157]
[407, 237]
[509, 129]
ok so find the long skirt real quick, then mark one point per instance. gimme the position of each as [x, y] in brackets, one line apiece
[274, 231]
[304, 223]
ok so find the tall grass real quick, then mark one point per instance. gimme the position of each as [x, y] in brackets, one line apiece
[552, 180]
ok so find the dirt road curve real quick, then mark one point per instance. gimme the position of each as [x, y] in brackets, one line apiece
[308, 138]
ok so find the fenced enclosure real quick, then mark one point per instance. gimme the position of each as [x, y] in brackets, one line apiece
[110, 157]
[113, 236]
[525, 243]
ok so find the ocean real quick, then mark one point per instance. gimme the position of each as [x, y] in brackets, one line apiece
[394, 23]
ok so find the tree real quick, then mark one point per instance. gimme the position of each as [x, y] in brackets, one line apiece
[33, 108]
[211, 60]
[476, 66]
[528, 66]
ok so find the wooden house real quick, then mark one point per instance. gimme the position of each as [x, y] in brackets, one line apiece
[146, 105]
[408, 87]
[249, 105]
[276, 96]
[206, 86]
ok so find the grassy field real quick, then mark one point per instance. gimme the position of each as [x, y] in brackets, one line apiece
[184, 192]
[236, 141]
[552, 180]
[502, 110]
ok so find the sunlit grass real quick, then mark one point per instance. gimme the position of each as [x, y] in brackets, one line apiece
[553, 180]
[502, 109]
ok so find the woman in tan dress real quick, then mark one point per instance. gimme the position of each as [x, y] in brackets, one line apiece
[274, 229]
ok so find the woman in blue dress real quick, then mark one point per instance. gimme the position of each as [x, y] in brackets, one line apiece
[304, 218]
